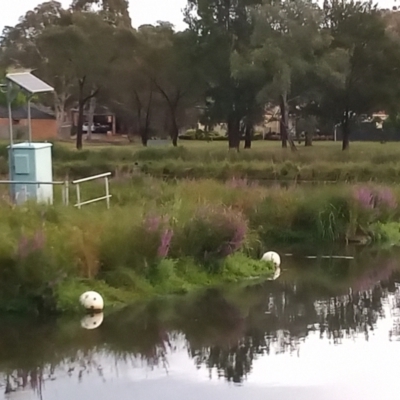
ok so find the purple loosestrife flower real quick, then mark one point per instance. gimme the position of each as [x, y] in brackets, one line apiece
[23, 247]
[241, 183]
[152, 224]
[386, 198]
[38, 241]
[165, 244]
[364, 197]
[238, 183]
[27, 245]
[237, 240]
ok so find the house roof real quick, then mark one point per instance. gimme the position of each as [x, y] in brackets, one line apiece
[22, 113]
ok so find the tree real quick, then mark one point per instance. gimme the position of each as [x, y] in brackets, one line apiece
[223, 27]
[115, 12]
[20, 48]
[85, 51]
[252, 78]
[170, 61]
[287, 41]
[359, 72]
[133, 95]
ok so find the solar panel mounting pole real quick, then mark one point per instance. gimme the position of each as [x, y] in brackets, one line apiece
[29, 120]
[10, 97]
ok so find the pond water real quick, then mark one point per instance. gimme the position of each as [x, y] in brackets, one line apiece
[325, 329]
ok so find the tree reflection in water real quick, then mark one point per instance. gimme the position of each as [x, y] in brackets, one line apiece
[224, 330]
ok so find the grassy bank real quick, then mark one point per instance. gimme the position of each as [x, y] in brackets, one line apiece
[265, 161]
[161, 238]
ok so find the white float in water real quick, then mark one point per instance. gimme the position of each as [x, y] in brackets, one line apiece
[92, 321]
[273, 257]
[92, 301]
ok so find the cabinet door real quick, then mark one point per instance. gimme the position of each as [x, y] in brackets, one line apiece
[21, 164]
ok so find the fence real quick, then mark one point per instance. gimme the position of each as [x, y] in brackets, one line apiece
[107, 197]
[23, 195]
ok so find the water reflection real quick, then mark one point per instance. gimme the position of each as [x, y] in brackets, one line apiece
[223, 331]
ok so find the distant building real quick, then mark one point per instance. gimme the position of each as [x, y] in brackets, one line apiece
[43, 121]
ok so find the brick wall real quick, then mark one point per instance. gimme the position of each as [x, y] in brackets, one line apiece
[42, 129]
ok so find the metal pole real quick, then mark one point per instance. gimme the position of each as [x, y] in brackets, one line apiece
[9, 101]
[78, 196]
[107, 192]
[66, 193]
[11, 135]
[29, 121]
[10, 123]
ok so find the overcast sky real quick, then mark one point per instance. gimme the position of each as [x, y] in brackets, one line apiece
[142, 11]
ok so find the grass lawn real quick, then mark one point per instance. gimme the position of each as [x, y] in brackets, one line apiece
[267, 161]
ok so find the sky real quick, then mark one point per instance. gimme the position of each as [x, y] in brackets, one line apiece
[142, 11]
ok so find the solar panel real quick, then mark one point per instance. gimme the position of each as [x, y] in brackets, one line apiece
[29, 82]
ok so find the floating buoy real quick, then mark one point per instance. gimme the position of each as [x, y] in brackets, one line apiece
[92, 301]
[276, 275]
[92, 321]
[272, 257]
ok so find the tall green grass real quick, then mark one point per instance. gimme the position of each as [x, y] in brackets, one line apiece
[168, 237]
[266, 161]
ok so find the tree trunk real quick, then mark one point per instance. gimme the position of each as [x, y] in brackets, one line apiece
[79, 132]
[284, 124]
[248, 135]
[174, 132]
[346, 131]
[308, 139]
[92, 107]
[234, 133]
[146, 128]
[81, 107]
[60, 114]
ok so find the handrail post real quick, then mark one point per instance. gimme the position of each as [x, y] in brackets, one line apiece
[78, 196]
[107, 197]
[107, 192]
[66, 193]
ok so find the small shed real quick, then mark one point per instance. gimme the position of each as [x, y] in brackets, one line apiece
[44, 124]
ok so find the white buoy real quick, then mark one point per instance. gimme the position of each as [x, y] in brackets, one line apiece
[92, 321]
[92, 301]
[272, 257]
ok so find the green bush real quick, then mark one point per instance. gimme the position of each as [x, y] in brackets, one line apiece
[212, 234]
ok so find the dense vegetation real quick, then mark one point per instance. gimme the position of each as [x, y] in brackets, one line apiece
[320, 65]
[168, 237]
[324, 162]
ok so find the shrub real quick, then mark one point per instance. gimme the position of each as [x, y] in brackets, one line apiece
[213, 233]
[140, 245]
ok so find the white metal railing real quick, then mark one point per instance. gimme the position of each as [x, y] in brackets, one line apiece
[107, 197]
[65, 192]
